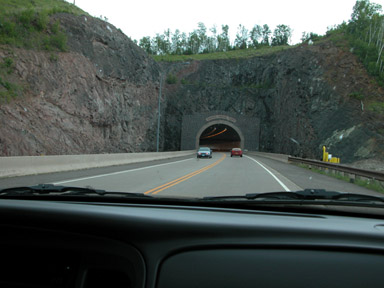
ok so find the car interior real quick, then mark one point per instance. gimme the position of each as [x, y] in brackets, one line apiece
[78, 243]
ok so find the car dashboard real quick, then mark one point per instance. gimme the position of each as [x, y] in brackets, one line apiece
[80, 244]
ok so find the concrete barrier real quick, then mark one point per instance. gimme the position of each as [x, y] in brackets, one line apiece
[30, 165]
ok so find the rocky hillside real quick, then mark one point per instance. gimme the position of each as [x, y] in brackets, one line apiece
[305, 97]
[101, 97]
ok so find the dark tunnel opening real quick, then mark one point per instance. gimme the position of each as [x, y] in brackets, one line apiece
[220, 137]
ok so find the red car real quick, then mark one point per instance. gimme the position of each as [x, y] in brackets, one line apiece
[236, 152]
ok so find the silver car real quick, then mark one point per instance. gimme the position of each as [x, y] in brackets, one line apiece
[204, 152]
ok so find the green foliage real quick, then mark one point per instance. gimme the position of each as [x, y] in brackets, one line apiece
[281, 35]
[171, 79]
[376, 106]
[306, 37]
[9, 91]
[233, 54]
[53, 57]
[27, 24]
[31, 29]
[57, 40]
[185, 82]
[26, 18]
[9, 7]
[200, 42]
[42, 21]
[8, 65]
[357, 95]
[262, 85]
[365, 32]
[369, 184]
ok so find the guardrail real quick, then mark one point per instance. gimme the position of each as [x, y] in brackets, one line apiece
[356, 172]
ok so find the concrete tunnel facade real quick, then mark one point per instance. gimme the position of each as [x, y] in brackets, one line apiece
[247, 130]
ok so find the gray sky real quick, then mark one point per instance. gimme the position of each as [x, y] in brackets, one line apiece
[141, 18]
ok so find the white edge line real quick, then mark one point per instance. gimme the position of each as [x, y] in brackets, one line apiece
[273, 175]
[119, 172]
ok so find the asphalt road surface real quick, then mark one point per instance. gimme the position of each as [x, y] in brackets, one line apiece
[191, 177]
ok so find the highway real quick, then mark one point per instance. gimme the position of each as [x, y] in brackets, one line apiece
[191, 177]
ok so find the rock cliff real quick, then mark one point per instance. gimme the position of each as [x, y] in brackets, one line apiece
[102, 95]
[303, 97]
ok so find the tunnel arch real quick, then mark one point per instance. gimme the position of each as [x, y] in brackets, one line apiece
[219, 122]
[193, 125]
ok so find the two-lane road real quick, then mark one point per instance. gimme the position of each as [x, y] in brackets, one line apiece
[221, 175]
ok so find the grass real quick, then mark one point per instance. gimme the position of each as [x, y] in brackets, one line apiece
[369, 184]
[28, 23]
[376, 106]
[233, 54]
[50, 6]
[8, 90]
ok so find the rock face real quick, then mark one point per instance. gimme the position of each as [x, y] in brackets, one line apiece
[302, 97]
[101, 97]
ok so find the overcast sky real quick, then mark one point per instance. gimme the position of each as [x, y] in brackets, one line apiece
[141, 18]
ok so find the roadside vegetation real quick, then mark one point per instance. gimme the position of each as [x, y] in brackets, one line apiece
[363, 35]
[231, 54]
[28, 24]
[366, 183]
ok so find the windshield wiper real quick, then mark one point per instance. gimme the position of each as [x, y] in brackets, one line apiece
[304, 195]
[50, 189]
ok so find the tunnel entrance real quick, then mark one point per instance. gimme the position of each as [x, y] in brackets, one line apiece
[220, 137]
[220, 130]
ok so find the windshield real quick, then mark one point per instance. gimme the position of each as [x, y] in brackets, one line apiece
[197, 99]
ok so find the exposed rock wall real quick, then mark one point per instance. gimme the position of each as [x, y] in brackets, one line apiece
[100, 97]
[301, 95]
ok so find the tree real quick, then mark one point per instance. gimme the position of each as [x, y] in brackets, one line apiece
[309, 36]
[223, 43]
[176, 45]
[202, 34]
[255, 34]
[281, 35]
[212, 40]
[145, 44]
[193, 43]
[366, 35]
[241, 37]
[159, 45]
[266, 32]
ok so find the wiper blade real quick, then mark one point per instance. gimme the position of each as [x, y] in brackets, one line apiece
[304, 195]
[51, 189]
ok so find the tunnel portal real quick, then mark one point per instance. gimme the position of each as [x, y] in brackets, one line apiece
[220, 131]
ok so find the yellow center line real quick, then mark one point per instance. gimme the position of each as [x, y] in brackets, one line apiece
[183, 178]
